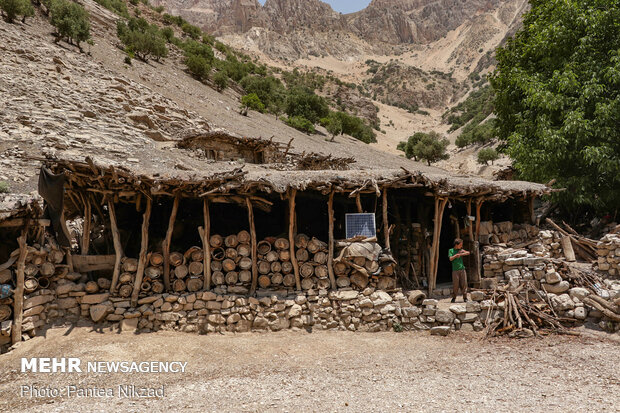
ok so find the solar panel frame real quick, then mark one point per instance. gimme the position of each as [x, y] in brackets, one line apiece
[360, 224]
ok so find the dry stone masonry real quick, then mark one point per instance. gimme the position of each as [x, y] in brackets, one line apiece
[608, 251]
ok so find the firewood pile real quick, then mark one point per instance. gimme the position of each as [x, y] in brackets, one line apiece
[312, 257]
[362, 263]
[231, 262]
[128, 276]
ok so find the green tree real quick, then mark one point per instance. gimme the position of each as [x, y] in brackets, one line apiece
[71, 21]
[143, 39]
[221, 81]
[302, 101]
[191, 30]
[557, 87]
[300, 123]
[14, 8]
[430, 147]
[407, 146]
[487, 154]
[252, 101]
[333, 124]
[198, 66]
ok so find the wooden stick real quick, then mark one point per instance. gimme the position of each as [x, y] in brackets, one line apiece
[469, 227]
[291, 235]
[18, 302]
[143, 248]
[435, 241]
[358, 202]
[439, 218]
[330, 254]
[168, 240]
[206, 246]
[253, 242]
[530, 204]
[86, 227]
[386, 227]
[118, 248]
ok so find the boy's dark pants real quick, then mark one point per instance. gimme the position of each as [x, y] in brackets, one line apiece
[459, 280]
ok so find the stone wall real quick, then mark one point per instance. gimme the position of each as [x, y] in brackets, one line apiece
[608, 251]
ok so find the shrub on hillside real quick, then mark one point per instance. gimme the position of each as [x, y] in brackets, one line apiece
[252, 101]
[305, 103]
[487, 154]
[430, 147]
[143, 39]
[71, 21]
[269, 90]
[11, 9]
[198, 66]
[300, 123]
[191, 30]
[4, 187]
[117, 6]
[168, 33]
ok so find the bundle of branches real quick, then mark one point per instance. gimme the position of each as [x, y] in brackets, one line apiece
[573, 243]
[525, 313]
[591, 281]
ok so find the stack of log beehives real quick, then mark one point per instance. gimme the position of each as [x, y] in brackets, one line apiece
[364, 264]
[186, 270]
[311, 256]
[231, 262]
[127, 277]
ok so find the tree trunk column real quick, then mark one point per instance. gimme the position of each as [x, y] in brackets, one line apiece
[291, 235]
[330, 256]
[143, 250]
[18, 303]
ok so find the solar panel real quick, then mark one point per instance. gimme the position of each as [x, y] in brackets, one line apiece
[360, 224]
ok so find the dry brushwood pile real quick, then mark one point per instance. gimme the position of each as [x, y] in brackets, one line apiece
[525, 311]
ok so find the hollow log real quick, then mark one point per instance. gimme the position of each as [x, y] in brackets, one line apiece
[181, 271]
[168, 240]
[320, 257]
[264, 267]
[231, 241]
[216, 241]
[146, 286]
[359, 280]
[178, 285]
[231, 253]
[343, 281]
[244, 250]
[307, 283]
[271, 256]
[153, 272]
[306, 270]
[284, 255]
[194, 284]
[287, 267]
[264, 281]
[218, 254]
[125, 278]
[216, 266]
[176, 258]
[218, 278]
[228, 265]
[301, 255]
[321, 271]
[289, 280]
[243, 237]
[157, 287]
[263, 247]
[30, 270]
[156, 259]
[245, 263]
[195, 268]
[232, 277]
[301, 240]
[47, 269]
[281, 244]
[340, 268]
[30, 285]
[197, 256]
[245, 276]
[5, 312]
[277, 278]
[322, 283]
[276, 266]
[125, 290]
[315, 245]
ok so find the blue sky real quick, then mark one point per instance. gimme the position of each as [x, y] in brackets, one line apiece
[344, 6]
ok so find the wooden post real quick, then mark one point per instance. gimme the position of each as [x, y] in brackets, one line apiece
[206, 246]
[358, 202]
[470, 227]
[86, 227]
[478, 206]
[253, 242]
[143, 247]
[168, 240]
[18, 295]
[530, 204]
[291, 235]
[330, 254]
[118, 248]
[386, 225]
[440, 204]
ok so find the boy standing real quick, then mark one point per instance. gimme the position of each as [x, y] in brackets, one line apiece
[459, 276]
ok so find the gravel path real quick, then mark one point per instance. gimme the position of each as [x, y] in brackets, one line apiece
[328, 371]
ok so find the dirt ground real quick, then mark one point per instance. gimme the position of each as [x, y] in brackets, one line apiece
[326, 371]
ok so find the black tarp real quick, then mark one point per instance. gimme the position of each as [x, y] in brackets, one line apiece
[51, 188]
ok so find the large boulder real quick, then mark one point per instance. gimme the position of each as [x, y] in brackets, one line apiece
[559, 288]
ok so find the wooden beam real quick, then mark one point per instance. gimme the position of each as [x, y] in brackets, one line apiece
[253, 242]
[206, 246]
[530, 204]
[330, 254]
[143, 249]
[20, 222]
[18, 295]
[291, 235]
[86, 227]
[358, 202]
[440, 204]
[168, 240]
[386, 226]
[478, 207]
[470, 227]
[118, 248]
